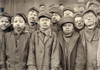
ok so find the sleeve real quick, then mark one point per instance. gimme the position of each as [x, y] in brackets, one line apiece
[55, 56]
[2, 53]
[31, 57]
[80, 58]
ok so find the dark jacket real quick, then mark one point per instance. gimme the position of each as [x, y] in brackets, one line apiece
[68, 62]
[44, 55]
[16, 50]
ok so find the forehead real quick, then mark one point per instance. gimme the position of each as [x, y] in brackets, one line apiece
[44, 18]
[33, 11]
[3, 17]
[18, 18]
[68, 11]
[78, 17]
[88, 13]
[68, 23]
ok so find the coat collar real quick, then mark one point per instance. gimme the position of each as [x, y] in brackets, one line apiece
[73, 40]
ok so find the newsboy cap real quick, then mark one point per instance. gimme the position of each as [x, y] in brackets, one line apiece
[66, 20]
[56, 10]
[93, 2]
[34, 8]
[90, 10]
[69, 8]
[44, 14]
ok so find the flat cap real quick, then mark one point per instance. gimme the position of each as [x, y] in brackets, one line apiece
[45, 14]
[66, 20]
[90, 10]
[57, 10]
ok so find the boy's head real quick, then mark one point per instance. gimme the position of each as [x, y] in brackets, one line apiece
[57, 14]
[67, 25]
[19, 22]
[93, 4]
[42, 7]
[5, 20]
[32, 16]
[90, 18]
[79, 23]
[68, 12]
[44, 19]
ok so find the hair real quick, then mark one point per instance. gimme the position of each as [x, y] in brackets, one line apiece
[23, 16]
[5, 14]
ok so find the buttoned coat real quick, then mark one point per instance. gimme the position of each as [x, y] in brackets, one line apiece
[44, 55]
[16, 50]
[68, 60]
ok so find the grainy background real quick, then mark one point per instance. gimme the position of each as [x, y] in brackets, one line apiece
[14, 6]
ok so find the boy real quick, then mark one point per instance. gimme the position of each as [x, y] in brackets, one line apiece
[69, 40]
[57, 14]
[88, 60]
[68, 12]
[16, 45]
[5, 26]
[32, 19]
[79, 23]
[5, 22]
[44, 49]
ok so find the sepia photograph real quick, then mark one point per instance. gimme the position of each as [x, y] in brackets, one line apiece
[49, 34]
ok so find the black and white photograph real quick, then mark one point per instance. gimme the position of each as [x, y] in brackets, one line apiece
[49, 34]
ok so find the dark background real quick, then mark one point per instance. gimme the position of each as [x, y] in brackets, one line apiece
[15, 6]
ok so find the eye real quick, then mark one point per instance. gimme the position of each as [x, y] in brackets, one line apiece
[7, 21]
[2, 21]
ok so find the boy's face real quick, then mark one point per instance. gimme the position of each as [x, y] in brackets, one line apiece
[32, 17]
[68, 28]
[44, 22]
[18, 24]
[4, 23]
[68, 13]
[79, 24]
[89, 19]
[93, 6]
[55, 18]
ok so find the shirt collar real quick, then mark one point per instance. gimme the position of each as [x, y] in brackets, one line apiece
[47, 32]
[24, 31]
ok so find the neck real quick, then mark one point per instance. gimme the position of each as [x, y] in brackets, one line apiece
[43, 29]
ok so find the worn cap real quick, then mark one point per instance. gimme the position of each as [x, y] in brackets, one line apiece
[69, 8]
[90, 10]
[57, 10]
[45, 14]
[93, 2]
[78, 15]
[34, 8]
[66, 20]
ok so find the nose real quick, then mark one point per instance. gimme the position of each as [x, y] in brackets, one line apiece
[67, 27]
